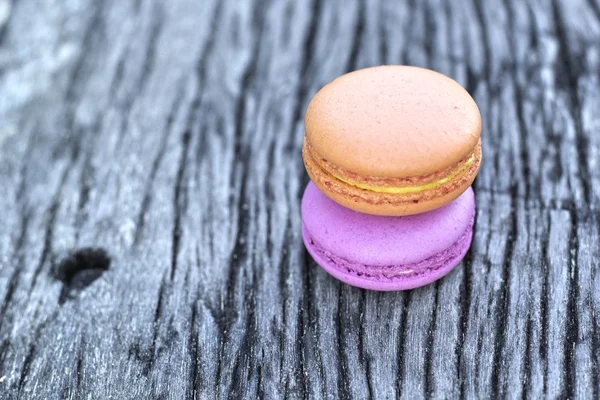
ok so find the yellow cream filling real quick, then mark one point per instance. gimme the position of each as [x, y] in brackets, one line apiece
[413, 189]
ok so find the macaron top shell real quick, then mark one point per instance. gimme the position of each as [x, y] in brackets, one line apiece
[393, 121]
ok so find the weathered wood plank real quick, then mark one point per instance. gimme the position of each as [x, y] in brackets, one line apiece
[168, 134]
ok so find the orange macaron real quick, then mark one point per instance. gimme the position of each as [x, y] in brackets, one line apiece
[392, 140]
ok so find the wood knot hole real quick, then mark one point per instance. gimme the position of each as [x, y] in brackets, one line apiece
[79, 270]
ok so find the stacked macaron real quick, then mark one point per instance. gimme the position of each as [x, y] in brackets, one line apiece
[392, 152]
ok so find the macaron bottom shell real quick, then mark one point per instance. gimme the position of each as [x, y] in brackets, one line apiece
[397, 277]
[386, 253]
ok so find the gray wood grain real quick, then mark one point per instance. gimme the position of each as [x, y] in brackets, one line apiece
[150, 242]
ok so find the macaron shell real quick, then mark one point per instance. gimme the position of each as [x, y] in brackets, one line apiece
[376, 241]
[375, 203]
[381, 285]
[393, 121]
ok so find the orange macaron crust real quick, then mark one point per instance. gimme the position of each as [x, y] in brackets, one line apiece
[392, 140]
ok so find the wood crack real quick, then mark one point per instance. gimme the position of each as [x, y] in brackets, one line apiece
[155, 29]
[342, 382]
[364, 357]
[572, 319]
[544, 306]
[465, 301]
[428, 386]
[307, 58]
[141, 218]
[502, 310]
[180, 202]
[47, 250]
[402, 345]
[358, 35]
[572, 91]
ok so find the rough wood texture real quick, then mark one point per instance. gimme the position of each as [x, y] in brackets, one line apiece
[150, 165]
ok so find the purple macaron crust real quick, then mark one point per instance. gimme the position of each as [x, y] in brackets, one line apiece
[386, 253]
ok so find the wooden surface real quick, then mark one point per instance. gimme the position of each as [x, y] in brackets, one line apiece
[151, 175]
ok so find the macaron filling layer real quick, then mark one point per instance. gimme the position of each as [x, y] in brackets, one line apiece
[397, 185]
[398, 272]
[413, 189]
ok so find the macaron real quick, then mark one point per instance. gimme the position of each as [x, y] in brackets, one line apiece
[386, 253]
[392, 140]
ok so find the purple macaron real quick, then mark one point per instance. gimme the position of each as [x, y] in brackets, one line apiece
[386, 253]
